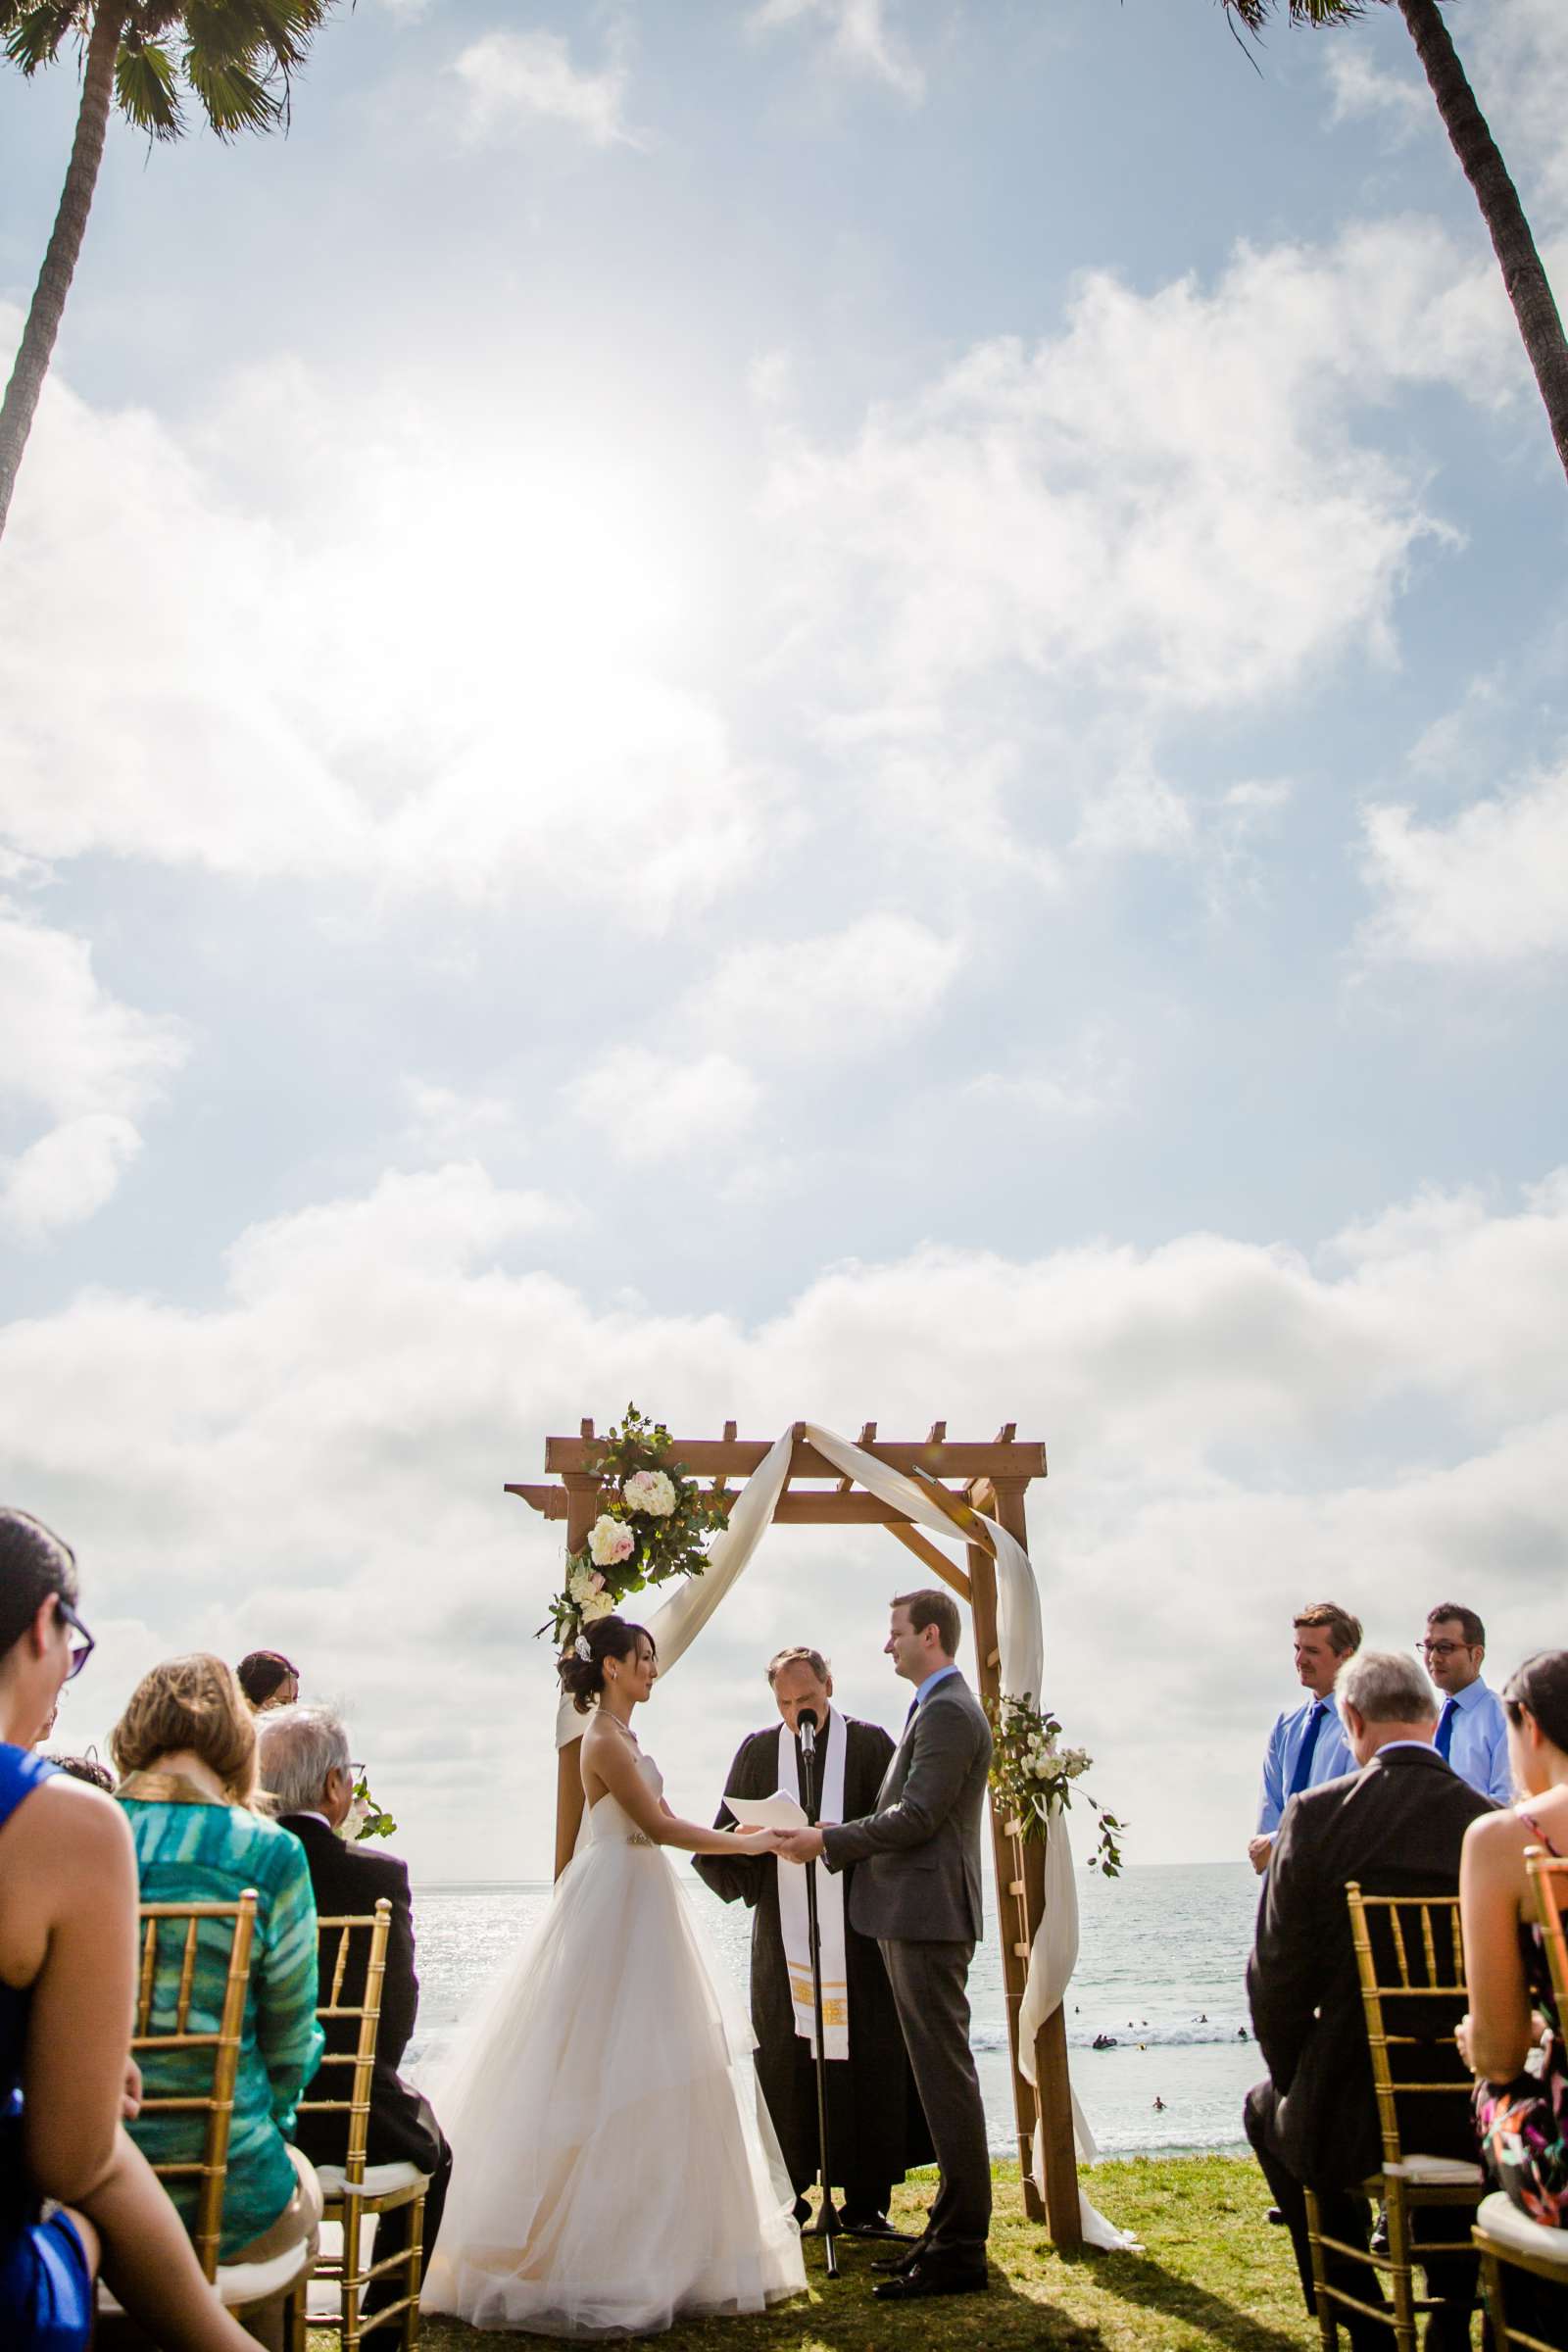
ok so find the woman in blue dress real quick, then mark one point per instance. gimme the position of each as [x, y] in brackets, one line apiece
[73, 2187]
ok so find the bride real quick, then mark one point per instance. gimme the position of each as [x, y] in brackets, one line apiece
[615, 2163]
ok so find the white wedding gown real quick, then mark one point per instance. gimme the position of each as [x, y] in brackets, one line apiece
[614, 2161]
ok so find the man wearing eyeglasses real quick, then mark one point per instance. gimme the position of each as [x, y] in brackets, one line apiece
[1472, 1730]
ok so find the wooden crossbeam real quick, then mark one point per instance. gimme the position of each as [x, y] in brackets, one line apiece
[801, 1506]
[738, 1457]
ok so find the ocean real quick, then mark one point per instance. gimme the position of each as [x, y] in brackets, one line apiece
[1160, 1971]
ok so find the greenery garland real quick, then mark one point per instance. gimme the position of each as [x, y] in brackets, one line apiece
[650, 1528]
[1031, 1776]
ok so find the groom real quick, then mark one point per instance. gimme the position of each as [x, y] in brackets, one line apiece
[918, 1891]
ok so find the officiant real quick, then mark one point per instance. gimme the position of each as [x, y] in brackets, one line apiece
[876, 2129]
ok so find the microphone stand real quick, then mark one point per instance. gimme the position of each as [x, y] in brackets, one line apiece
[826, 2226]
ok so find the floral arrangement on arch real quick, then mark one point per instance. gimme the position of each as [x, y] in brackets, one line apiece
[1033, 1776]
[650, 1528]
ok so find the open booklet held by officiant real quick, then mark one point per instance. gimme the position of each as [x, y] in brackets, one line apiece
[776, 1812]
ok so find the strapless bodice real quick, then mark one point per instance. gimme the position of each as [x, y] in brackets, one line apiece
[610, 1823]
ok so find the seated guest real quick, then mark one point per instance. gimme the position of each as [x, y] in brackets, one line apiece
[186, 1747]
[1523, 2116]
[71, 2184]
[307, 1769]
[1396, 1825]
[1307, 1744]
[1471, 1729]
[85, 1768]
[268, 1680]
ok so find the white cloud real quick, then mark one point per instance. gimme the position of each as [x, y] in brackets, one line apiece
[316, 1462]
[507, 75]
[91, 1064]
[1487, 888]
[1092, 1080]
[652, 1107]
[1164, 500]
[1136, 809]
[860, 40]
[833, 995]
[1359, 86]
[1517, 63]
[425, 661]
[68, 1175]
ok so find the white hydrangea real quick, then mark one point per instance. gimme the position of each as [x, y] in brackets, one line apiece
[609, 1541]
[598, 1604]
[579, 1584]
[650, 1490]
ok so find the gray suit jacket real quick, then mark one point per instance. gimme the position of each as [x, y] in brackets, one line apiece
[919, 1879]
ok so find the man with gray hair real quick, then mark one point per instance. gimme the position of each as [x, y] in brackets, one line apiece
[1396, 1825]
[306, 1768]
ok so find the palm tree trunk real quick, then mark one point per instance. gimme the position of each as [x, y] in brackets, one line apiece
[64, 249]
[1529, 288]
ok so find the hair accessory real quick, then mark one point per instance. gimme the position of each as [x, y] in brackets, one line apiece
[583, 1647]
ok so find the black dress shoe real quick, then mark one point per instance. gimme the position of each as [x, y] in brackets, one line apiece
[898, 2264]
[927, 2278]
[1275, 2217]
[876, 2224]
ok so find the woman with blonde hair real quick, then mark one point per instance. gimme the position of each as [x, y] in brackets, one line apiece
[71, 2185]
[186, 1747]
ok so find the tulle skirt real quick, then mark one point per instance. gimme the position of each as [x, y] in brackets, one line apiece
[614, 2161]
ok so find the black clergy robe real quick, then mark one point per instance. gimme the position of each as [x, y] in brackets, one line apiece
[876, 2128]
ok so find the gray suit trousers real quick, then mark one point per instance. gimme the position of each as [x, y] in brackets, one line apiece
[930, 1987]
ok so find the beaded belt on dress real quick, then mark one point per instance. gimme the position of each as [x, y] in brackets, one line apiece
[637, 1837]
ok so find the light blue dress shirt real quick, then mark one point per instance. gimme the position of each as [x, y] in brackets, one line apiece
[1330, 1758]
[931, 1681]
[1479, 1747]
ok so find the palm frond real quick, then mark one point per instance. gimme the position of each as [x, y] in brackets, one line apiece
[285, 26]
[234, 95]
[145, 89]
[1253, 14]
[34, 35]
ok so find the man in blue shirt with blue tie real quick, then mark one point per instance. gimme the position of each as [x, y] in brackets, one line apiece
[1307, 1745]
[1472, 1729]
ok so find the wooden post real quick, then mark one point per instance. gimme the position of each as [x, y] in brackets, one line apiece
[583, 1509]
[1053, 2095]
[1011, 1914]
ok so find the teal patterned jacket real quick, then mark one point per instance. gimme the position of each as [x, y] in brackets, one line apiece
[191, 1849]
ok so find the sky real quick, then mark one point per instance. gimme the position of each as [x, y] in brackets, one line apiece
[836, 709]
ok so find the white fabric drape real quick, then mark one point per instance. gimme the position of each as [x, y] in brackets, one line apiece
[1020, 1641]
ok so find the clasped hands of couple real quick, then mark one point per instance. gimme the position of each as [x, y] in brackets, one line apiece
[791, 1846]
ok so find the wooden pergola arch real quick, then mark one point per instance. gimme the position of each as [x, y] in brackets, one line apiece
[962, 1480]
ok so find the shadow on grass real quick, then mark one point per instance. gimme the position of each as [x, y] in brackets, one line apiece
[1136, 2279]
[842, 2315]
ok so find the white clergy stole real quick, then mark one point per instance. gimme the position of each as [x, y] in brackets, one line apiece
[792, 1915]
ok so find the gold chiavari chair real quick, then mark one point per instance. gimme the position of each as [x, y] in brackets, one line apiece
[1410, 1959]
[1508, 2238]
[354, 2188]
[204, 2064]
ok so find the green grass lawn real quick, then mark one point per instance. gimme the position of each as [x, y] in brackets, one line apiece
[1211, 2272]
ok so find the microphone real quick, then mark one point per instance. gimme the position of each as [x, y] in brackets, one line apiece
[806, 1731]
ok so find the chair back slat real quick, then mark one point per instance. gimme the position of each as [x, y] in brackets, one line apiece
[1548, 1883]
[1410, 1955]
[161, 1924]
[373, 1930]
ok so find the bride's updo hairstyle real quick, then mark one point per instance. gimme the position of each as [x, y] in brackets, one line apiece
[582, 1677]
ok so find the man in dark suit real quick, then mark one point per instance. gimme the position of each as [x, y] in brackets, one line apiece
[304, 1766]
[917, 1890]
[1396, 1825]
